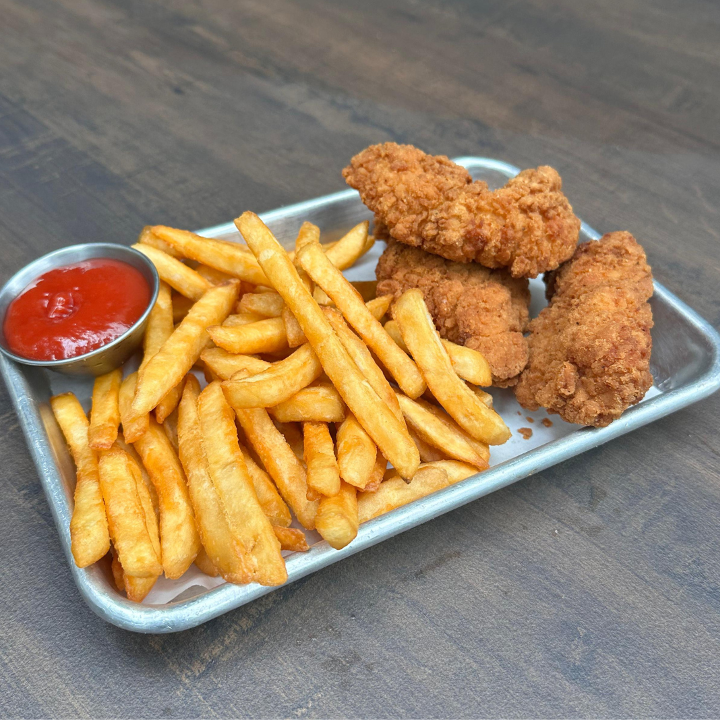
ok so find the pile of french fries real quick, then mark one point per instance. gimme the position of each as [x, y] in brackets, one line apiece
[309, 398]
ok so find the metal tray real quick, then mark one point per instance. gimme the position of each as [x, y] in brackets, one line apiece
[685, 365]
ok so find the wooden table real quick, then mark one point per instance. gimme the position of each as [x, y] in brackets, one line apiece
[591, 589]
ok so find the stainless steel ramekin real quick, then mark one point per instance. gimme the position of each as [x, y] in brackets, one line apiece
[107, 357]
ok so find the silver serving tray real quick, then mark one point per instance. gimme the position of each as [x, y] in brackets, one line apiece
[685, 365]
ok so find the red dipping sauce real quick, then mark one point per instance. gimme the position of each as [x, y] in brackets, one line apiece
[74, 309]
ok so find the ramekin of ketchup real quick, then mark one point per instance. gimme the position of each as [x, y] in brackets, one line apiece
[74, 309]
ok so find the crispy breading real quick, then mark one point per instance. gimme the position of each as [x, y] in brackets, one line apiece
[428, 201]
[590, 348]
[487, 310]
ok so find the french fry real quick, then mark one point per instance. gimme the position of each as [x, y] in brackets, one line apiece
[133, 427]
[291, 539]
[89, 536]
[212, 525]
[428, 453]
[117, 572]
[242, 318]
[182, 349]
[267, 304]
[270, 501]
[105, 413]
[170, 428]
[213, 276]
[205, 564]
[367, 290]
[132, 452]
[421, 338]
[378, 306]
[230, 258]
[323, 475]
[385, 429]
[293, 437]
[175, 273]
[146, 503]
[320, 402]
[432, 430]
[480, 447]
[225, 364]
[147, 237]
[250, 528]
[364, 360]
[264, 336]
[378, 473]
[293, 331]
[159, 325]
[394, 493]
[280, 462]
[469, 364]
[485, 397]
[349, 302]
[356, 453]
[321, 297]
[276, 384]
[178, 533]
[126, 518]
[346, 251]
[337, 517]
[168, 403]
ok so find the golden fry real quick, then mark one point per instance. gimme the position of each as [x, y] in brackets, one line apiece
[278, 383]
[213, 276]
[225, 364]
[146, 503]
[378, 306]
[212, 525]
[250, 528]
[133, 427]
[269, 498]
[105, 412]
[132, 452]
[480, 447]
[178, 532]
[242, 318]
[175, 273]
[349, 302]
[293, 437]
[394, 493]
[378, 473]
[126, 518]
[469, 364]
[346, 251]
[280, 461]
[385, 429]
[418, 332]
[432, 430]
[168, 404]
[291, 539]
[230, 258]
[428, 453]
[337, 517]
[363, 358]
[320, 402]
[264, 336]
[170, 428]
[89, 536]
[182, 349]
[323, 475]
[267, 304]
[356, 453]
[147, 237]
[293, 331]
[205, 564]
[160, 324]
[180, 306]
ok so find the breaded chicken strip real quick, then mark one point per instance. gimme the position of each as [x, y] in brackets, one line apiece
[487, 310]
[428, 201]
[590, 348]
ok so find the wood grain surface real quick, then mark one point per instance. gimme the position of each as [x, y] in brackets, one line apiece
[591, 589]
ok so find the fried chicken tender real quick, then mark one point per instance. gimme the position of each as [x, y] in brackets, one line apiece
[487, 310]
[430, 202]
[590, 348]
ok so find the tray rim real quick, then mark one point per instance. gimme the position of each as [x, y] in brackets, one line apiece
[185, 614]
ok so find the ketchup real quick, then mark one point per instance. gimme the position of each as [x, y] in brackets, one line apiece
[74, 309]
